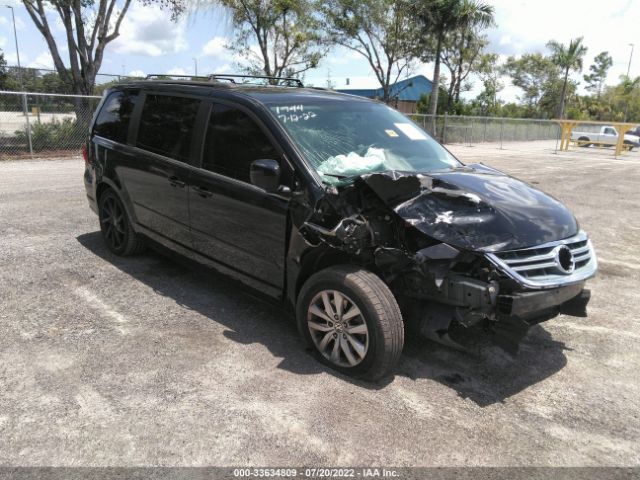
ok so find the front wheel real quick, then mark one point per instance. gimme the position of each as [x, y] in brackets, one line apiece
[351, 320]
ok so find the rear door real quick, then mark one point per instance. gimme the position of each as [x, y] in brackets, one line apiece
[157, 174]
[234, 222]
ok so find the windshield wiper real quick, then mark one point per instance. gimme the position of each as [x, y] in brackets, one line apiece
[336, 175]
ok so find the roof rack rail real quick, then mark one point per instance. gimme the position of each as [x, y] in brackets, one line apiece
[232, 78]
[162, 76]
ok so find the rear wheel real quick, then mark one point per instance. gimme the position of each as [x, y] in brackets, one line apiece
[629, 145]
[117, 232]
[352, 322]
[586, 140]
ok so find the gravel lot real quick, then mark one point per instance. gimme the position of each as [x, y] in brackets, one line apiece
[141, 361]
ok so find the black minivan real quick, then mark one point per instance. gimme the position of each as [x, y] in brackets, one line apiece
[337, 206]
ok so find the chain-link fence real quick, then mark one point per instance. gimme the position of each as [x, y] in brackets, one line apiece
[43, 125]
[502, 130]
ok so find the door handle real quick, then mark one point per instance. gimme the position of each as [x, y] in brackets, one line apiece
[174, 182]
[203, 192]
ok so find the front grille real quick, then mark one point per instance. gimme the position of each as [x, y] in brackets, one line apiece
[540, 266]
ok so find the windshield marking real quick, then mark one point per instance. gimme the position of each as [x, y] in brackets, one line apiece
[411, 131]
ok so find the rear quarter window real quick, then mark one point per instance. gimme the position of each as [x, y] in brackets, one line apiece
[113, 120]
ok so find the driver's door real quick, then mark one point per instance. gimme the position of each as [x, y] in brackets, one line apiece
[234, 222]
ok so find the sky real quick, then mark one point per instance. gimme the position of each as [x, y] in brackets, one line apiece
[150, 43]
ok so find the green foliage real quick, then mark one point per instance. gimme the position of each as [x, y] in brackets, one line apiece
[382, 31]
[439, 17]
[461, 54]
[601, 65]
[540, 80]
[286, 32]
[3, 71]
[425, 100]
[567, 58]
[34, 80]
[56, 134]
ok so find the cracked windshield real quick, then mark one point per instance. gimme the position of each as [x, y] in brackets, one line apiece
[345, 139]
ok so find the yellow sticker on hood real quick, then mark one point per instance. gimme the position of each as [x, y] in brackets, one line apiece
[392, 133]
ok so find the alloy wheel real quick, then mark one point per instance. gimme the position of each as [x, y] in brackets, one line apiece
[338, 328]
[112, 219]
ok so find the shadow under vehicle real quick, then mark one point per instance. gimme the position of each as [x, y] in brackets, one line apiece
[482, 372]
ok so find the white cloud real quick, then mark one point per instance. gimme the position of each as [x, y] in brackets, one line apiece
[342, 56]
[43, 60]
[7, 22]
[149, 31]
[225, 68]
[137, 73]
[177, 71]
[12, 59]
[216, 48]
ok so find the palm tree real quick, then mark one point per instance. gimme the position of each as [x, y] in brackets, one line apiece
[567, 58]
[438, 17]
[629, 87]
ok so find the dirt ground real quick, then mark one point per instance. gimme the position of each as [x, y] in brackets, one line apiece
[141, 361]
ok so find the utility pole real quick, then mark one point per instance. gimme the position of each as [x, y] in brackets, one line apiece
[20, 79]
[195, 63]
[626, 107]
[15, 36]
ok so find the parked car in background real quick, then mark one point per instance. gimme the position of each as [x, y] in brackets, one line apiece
[336, 206]
[607, 136]
[635, 131]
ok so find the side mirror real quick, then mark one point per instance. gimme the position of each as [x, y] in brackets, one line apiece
[265, 174]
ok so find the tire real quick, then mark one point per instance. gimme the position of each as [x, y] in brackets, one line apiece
[630, 145]
[584, 139]
[372, 336]
[117, 232]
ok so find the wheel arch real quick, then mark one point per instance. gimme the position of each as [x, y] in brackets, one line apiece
[109, 184]
[316, 260]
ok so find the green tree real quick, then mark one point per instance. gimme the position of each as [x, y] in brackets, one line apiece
[629, 90]
[384, 32]
[538, 78]
[489, 71]
[89, 25]
[567, 58]
[599, 69]
[461, 54]
[286, 32]
[440, 17]
[3, 71]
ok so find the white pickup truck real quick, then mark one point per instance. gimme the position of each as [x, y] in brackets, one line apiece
[606, 136]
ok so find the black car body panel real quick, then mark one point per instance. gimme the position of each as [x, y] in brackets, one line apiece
[475, 208]
[453, 246]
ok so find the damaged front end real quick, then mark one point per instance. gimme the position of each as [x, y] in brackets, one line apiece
[466, 246]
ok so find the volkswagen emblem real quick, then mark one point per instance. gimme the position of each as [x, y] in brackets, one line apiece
[564, 259]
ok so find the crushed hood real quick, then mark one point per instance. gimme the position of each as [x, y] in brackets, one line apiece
[474, 207]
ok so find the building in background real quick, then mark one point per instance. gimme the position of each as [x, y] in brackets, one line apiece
[404, 94]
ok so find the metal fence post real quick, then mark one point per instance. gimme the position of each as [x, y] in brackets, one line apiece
[471, 135]
[444, 128]
[484, 134]
[26, 116]
[501, 131]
